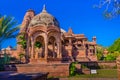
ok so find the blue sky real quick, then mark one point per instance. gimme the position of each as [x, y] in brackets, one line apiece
[77, 14]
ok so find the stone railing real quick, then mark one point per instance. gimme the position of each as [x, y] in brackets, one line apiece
[118, 67]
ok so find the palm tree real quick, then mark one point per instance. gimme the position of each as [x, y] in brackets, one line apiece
[8, 28]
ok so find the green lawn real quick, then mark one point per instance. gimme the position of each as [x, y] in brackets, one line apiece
[100, 74]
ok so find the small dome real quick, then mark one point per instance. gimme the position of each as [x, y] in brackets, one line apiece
[44, 18]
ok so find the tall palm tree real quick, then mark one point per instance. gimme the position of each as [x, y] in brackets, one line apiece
[8, 28]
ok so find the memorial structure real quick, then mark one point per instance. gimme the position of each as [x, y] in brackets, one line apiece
[48, 48]
[45, 30]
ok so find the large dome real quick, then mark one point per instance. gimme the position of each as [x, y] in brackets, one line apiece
[44, 18]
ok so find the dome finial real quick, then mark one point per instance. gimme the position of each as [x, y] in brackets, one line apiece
[44, 8]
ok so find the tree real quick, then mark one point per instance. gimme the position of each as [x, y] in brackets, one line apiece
[8, 28]
[100, 50]
[112, 7]
[23, 43]
[115, 46]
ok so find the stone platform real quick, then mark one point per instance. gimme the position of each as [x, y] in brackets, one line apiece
[54, 69]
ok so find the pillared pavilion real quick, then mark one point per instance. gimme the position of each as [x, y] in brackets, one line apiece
[55, 43]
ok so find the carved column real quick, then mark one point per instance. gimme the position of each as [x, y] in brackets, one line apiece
[58, 48]
[53, 45]
[95, 50]
[36, 53]
[70, 41]
[27, 50]
[70, 47]
[88, 50]
[46, 46]
[32, 45]
[83, 44]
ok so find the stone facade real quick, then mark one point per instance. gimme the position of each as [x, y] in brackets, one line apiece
[55, 42]
[53, 69]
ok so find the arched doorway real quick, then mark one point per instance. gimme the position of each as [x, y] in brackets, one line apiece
[39, 47]
[52, 47]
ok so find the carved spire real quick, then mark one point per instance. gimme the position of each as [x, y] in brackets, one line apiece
[70, 31]
[44, 9]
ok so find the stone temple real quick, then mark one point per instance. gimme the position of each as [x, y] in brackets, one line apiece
[48, 48]
[56, 44]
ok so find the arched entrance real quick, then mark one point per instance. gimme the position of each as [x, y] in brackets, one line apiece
[52, 47]
[39, 47]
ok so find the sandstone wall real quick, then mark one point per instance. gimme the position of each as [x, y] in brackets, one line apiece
[61, 69]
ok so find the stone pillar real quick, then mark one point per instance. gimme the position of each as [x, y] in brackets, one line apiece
[53, 46]
[118, 67]
[32, 45]
[88, 50]
[70, 51]
[58, 48]
[36, 53]
[83, 44]
[27, 50]
[46, 46]
[70, 41]
[28, 45]
[95, 50]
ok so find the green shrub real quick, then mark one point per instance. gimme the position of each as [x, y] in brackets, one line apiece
[110, 57]
[84, 66]
[73, 69]
[38, 44]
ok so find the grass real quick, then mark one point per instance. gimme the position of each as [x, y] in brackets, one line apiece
[104, 73]
[101, 73]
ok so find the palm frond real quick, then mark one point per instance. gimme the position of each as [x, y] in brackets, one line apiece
[8, 28]
[11, 32]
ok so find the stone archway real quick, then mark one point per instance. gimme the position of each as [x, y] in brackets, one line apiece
[52, 47]
[39, 47]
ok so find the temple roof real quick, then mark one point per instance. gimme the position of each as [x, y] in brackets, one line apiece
[44, 18]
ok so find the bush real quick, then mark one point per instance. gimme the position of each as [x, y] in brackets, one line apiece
[73, 69]
[111, 56]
